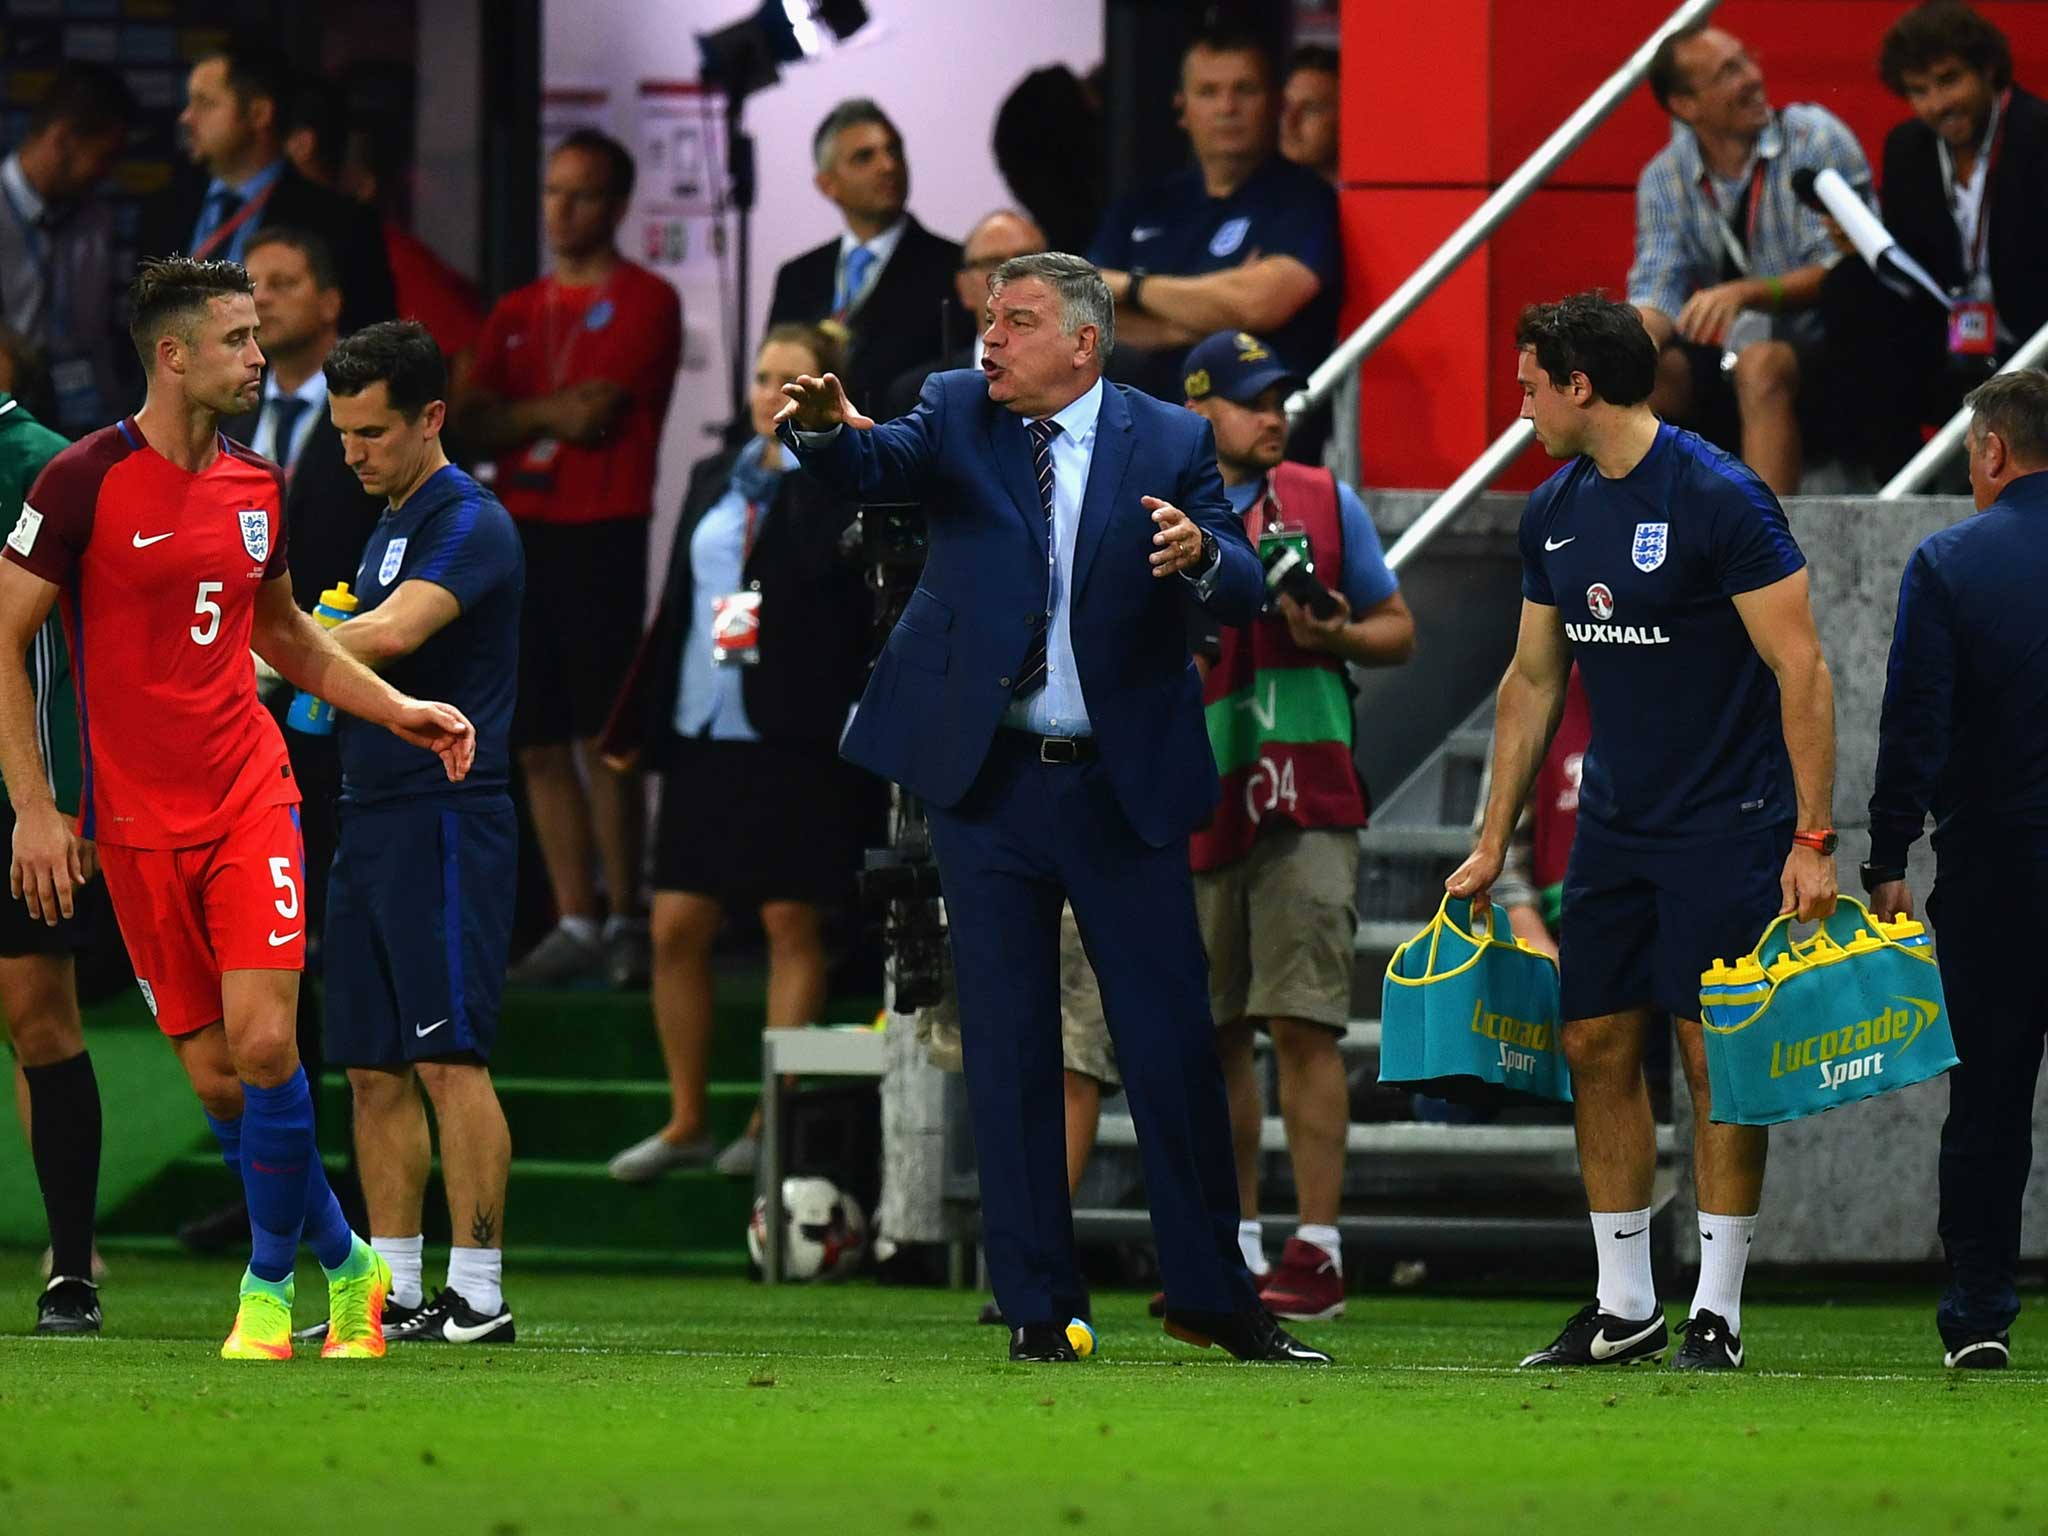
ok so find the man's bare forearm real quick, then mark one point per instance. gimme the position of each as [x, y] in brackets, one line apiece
[21, 756]
[1806, 694]
[492, 424]
[310, 657]
[1525, 717]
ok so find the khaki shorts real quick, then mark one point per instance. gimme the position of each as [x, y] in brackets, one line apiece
[1279, 925]
[1084, 1032]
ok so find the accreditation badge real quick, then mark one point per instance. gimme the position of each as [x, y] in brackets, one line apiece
[736, 630]
[535, 469]
[1973, 329]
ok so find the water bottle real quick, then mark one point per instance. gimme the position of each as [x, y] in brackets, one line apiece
[310, 715]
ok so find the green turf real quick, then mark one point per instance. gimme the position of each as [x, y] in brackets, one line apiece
[705, 1405]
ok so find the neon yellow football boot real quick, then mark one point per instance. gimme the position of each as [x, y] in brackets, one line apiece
[355, 1306]
[263, 1321]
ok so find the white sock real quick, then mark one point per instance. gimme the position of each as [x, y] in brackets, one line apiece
[1724, 1255]
[584, 929]
[1251, 1242]
[475, 1274]
[403, 1255]
[1622, 1239]
[1325, 1238]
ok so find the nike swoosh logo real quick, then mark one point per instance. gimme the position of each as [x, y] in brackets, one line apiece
[455, 1333]
[424, 1030]
[1560, 544]
[1735, 1356]
[154, 538]
[1604, 1348]
[1639, 1231]
[1147, 232]
[277, 938]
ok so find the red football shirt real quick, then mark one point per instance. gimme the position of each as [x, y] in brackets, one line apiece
[159, 571]
[548, 335]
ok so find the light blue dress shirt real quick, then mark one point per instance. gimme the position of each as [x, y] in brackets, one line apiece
[1058, 709]
[708, 699]
[209, 211]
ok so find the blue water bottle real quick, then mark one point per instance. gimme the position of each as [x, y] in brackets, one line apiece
[310, 715]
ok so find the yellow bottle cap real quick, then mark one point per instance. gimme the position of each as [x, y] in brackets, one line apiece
[339, 596]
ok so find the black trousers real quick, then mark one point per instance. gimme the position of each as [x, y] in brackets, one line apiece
[1998, 1009]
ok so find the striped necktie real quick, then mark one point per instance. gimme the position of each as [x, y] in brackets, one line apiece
[1031, 677]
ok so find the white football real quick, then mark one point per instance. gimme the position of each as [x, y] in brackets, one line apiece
[824, 1233]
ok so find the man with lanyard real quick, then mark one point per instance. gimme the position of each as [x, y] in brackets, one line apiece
[233, 127]
[55, 1087]
[57, 240]
[1665, 569]
[569, 390]
[1276, 869]
[1728, 263]
[1965, 193]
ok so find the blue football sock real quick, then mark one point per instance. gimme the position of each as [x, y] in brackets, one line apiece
[277, 1147]
[229, 1134]
[328, 1233]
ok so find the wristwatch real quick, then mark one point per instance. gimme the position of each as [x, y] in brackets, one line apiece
[1210, 551]
[1873, 875]
[1821, 841]
[1137, 276]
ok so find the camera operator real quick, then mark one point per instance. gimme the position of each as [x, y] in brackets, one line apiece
[1276, 871]
[739, 694]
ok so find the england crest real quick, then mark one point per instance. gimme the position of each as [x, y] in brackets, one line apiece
[1652, 542]
[1229, 236]
[256, 533]
[394, 557]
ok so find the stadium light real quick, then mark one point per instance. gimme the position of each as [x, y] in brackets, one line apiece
[748, 55]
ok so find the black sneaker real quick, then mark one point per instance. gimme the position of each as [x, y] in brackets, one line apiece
[68, 1305]
[1991, 1353]
[1710, 1345]
[395, 1316]
[448, 1319]
[1594, 1337]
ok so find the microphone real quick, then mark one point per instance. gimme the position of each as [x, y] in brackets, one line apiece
[1826, 191]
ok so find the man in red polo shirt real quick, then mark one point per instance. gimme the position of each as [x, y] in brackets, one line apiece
[569, 389]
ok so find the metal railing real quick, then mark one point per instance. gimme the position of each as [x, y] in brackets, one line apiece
[1489, 215]
[1921, 467]
[1461, 493]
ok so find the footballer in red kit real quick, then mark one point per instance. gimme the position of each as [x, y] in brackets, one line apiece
[164, 544]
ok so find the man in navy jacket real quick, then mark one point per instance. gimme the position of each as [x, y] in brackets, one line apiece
[1039, 697]
[1964, 735]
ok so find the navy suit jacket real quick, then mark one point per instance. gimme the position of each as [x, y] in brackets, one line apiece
[943, 681]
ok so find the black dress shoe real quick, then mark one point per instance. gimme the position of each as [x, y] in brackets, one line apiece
[1250, 1335]
[1041, 1344]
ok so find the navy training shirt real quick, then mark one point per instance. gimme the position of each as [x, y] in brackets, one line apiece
[455, 534]
[1175, 228]
[1688, 742]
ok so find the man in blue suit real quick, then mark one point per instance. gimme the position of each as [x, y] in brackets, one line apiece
[1964, 734]
[1038, 696]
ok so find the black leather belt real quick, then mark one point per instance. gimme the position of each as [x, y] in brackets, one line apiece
[1054, 749]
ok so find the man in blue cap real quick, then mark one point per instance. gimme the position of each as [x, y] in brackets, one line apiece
[1276, 870]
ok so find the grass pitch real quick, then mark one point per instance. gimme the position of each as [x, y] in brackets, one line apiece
[640, 1403]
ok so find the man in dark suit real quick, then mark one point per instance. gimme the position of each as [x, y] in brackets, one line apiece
[1964, 728]
[887, 279]
[1063, 758]
[998, 237]
[1965, 191]
[232, 121]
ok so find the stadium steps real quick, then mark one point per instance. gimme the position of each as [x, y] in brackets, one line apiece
[581, 1077]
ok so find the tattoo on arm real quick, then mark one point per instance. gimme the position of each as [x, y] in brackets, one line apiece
[483, 1227]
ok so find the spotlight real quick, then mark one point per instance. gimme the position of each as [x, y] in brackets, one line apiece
[747, 56]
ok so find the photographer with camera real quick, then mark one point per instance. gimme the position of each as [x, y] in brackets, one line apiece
[738, 695]
[1276, 870]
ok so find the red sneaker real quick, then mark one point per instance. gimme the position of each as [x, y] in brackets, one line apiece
[1305, 1286]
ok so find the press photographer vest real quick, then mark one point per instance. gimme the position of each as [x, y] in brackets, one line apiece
[1279, 716]
[1554, 801]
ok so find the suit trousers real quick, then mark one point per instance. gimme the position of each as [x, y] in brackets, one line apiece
[1026, 837]
[1998, 1010]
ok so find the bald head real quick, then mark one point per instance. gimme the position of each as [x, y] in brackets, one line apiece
[998, 237]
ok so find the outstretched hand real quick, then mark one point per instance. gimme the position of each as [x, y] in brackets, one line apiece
[819, 405]
[441, 729]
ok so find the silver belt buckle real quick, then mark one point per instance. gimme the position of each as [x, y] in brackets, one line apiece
[1059, 749]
